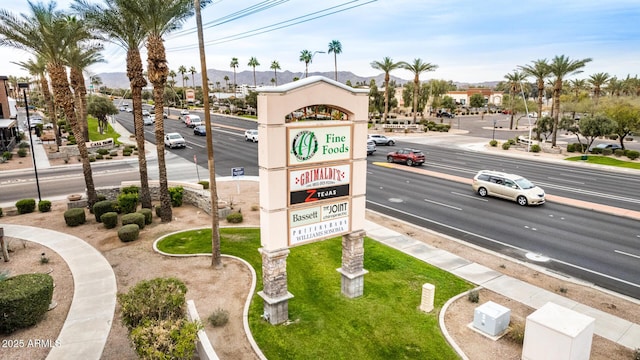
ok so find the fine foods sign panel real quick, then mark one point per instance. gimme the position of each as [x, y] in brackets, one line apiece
[315, 144]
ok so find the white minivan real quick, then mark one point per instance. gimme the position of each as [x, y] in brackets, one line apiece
[192, 120]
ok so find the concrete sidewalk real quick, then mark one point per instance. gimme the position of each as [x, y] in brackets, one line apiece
[613, 328]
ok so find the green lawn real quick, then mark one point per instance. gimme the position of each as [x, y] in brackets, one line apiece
[94, 135]
[606, 160]
[385, 323]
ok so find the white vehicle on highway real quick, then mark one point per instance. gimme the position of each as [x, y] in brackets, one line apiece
[251, 135]
[174, 140]
[507, 186]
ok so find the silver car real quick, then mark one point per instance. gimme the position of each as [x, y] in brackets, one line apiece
[371, 147]
[507, 186]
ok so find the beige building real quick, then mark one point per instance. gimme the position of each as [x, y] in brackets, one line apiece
[463, 97]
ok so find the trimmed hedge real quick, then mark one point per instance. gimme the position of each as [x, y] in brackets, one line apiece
[633, 154]
[536, 148]
[205, 184]
[129, 233]
[103, 207]
[109, 219]
[128, 202]
[75, 217]
[26, 206]
[176, 194]
[155, 299]
[24, 300]
[134, 218]
[235, 217]
[44, 206]
[148, 215]
[130, 190]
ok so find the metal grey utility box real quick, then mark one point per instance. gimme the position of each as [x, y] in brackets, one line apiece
[491, 318]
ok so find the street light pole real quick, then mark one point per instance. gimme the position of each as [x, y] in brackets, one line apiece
[24, 87]
[314, 54]
[526, 109]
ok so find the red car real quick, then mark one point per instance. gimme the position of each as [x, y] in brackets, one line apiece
[408, 156]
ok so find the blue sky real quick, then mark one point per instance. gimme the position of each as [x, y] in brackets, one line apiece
[470, 41]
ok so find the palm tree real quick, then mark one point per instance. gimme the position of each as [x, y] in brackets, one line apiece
[234, 65]
[614, 86]
[121, 29]
[226, 81]
[275, 66]
[306, 56]
[39, 69]
[335, 47]
[387, 65]
[539, 70]
[253, 62]
[47, 33]
[159, 18]
[417, 67]
[560, 67]
[597, 80]
[183, 70]
[193, 71]
[515, 80]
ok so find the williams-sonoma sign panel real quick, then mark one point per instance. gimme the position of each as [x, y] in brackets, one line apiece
[319, 222]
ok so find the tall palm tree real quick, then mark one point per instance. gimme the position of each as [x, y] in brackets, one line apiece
[47, 33]
[253, 62]
[226, 81]
[597, 80]
[561, 67]
[193, 71]
[234, 66]
[614, 86]
[159, 18]
[183, 70]
[335, 47]
[125, 31]
[39, 69]
[306, 56]
[387, 65]
[514, 80]
[539, 69]
[275, 66]
[417, 67]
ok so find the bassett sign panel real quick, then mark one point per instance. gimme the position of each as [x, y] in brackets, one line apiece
[319, 144]
[318, 222]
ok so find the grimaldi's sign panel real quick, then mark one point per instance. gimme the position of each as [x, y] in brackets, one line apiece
[318, 222]
[319, 183]
[309, 145]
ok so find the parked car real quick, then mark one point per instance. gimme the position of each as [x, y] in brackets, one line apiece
[174, 140]
[145, 112]
[603, 146]
[192, 120]
[200, 130]
[507, 186]
[148, 120]
[371, 147]
[184, 112]
[34, 121]
[444, 114]
[129, 110]
[123, 108]
[165, 115]
[251, 135]
[381, 139]
[408, 156]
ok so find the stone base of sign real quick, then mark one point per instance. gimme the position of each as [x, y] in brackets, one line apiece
[276, 310]
[274, 281]
[352, 285]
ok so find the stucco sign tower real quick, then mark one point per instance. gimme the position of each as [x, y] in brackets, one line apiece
[312, 180]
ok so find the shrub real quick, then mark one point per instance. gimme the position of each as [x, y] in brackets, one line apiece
[515, 332]
[71, 140]
[176, 194]
[102, 151]
[613, 137]
[511, 142]
[101, 197]
[24, 300]
[23, 145]
[44, 206]
[633, 154]
[493, 143]
[26, 206]
[22, 152]
[113, 153]
[234, 217]
[571, 148]
[134, 218]
[607, 152]
[128, 233]
[535, 148]
[158, 210]
[109, 219]
[220, 317]
[155, 299]
[102, 207]
[596, 150]
[7, 155]
[473, 296]
[148, 215]
[506, 146]
[75, 217]
[99, 157]
[127, 202]
[130, 190]
[618, 152]
[205, 184]
[166, 339]
[126, 153]
[92, 158]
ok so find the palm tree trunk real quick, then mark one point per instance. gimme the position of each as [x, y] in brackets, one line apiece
[556, 111]
[157, 70]
[62, 92]
[416, 84]
[386, 98]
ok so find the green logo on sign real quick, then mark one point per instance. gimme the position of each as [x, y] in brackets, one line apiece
[305, 145]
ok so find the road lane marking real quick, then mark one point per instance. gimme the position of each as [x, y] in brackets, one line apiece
[626, 253]
[564, 180]
[470, 196]
[442, 204]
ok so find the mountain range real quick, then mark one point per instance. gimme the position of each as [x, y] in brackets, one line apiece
[119, 80]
